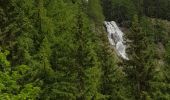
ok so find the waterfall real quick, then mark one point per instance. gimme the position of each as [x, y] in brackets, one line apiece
[115, 37]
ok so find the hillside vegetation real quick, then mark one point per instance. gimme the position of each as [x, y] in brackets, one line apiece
[58, 50]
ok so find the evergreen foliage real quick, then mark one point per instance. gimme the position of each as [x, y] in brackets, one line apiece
[58, 50]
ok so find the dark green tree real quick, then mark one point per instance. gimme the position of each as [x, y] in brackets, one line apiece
[143, 69]
[95, 11]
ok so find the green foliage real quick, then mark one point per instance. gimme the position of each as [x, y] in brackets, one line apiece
[59, 50]
[10, 88]
[157, 8]
[146, 74]
[119, 10]
[95, 11]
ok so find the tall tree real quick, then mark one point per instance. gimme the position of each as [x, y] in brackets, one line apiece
[142, 68]
[95, 11]
[11, 84]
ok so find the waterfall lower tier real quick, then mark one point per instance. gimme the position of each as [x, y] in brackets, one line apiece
[115, 36]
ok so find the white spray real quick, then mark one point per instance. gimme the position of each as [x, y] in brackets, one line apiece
[115, 36]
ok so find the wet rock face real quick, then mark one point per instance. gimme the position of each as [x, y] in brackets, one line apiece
[115, 36]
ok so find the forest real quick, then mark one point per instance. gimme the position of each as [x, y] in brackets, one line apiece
[59, 50]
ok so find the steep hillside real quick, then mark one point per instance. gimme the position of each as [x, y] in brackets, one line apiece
[60, 50]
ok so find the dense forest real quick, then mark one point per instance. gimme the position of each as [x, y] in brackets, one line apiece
[59, 50]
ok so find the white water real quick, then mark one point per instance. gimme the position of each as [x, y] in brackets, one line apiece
[115, 36]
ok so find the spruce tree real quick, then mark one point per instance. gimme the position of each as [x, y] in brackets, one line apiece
[11, 82]
[95, 11]
[143, 69]
[86, 60]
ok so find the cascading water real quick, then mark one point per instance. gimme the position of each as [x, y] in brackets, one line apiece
[115, 36]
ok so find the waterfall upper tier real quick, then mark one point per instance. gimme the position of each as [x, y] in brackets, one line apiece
[115, 36]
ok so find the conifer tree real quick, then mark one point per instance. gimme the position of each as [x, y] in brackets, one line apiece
[86, 59]
[119, 10]
[95, 11]
[11, 86]
[142, 68]
[60, 51]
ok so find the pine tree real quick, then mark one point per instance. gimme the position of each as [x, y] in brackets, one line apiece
[141, 59]
[45, 71]
[119, 10]
[9, 28]
[95, 11]
[11, 86]
[86, 60]
[62, 59]
[20, 12]
[143, 69]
